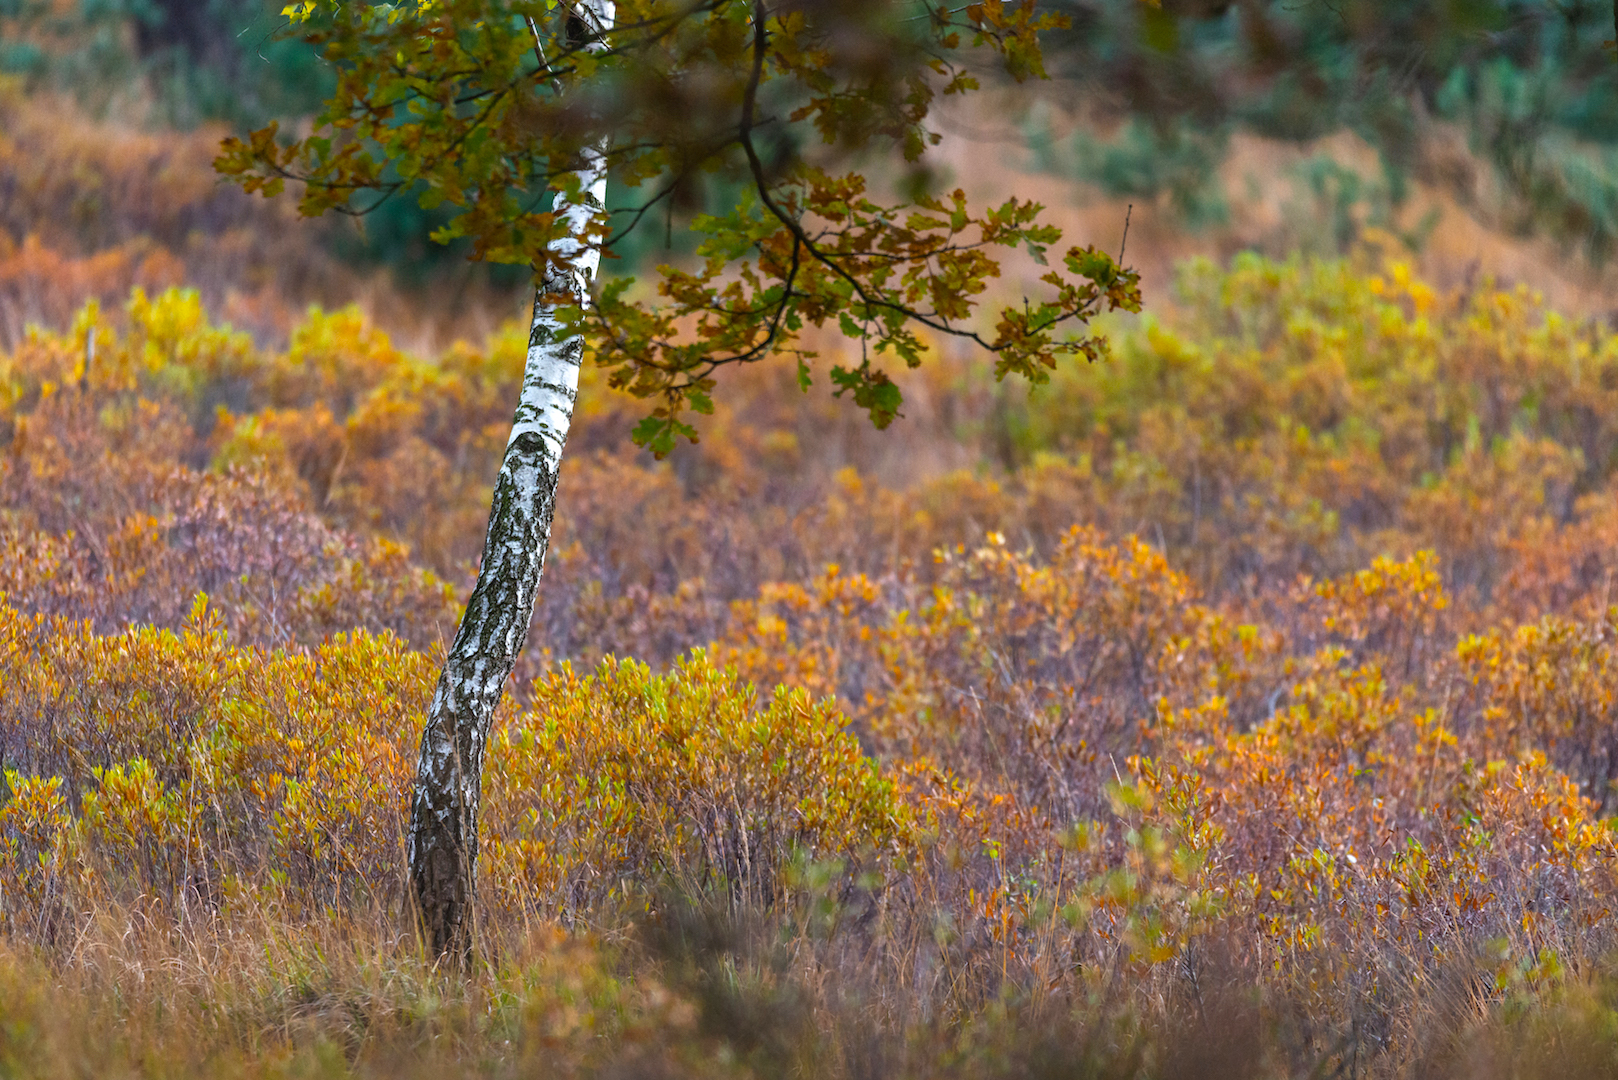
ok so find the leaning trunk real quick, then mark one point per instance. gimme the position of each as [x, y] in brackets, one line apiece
[444, 805]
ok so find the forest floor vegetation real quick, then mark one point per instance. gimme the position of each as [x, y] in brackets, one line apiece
[1251, 716]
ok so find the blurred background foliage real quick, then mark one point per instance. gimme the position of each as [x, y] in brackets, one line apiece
[1528, 85]
[1510, 107]
[180, 65]
[193, 62]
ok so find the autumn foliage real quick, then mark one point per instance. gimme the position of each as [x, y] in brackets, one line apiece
[1276, 653]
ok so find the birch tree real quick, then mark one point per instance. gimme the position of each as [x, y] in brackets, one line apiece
[513, 113]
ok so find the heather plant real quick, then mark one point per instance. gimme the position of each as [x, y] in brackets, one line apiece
[948, 762]
[1246, 447]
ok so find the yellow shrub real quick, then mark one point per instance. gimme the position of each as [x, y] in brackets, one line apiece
[625, 776]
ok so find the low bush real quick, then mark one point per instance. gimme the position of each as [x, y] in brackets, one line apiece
[1091, 753]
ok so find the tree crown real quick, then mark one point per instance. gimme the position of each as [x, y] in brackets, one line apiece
[491, 108]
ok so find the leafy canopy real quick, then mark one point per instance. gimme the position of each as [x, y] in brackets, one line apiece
[490, 108]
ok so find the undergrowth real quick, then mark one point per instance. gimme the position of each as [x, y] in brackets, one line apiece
[1254, 718]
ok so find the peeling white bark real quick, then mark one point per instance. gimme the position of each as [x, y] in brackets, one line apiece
[444, 804]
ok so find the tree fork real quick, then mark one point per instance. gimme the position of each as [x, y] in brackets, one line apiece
[443, 838]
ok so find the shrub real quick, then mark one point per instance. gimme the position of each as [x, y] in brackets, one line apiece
[607, 785]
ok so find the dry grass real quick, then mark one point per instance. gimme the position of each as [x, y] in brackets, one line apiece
[696, 991]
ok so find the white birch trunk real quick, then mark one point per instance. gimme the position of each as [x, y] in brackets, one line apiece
[444, 804]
